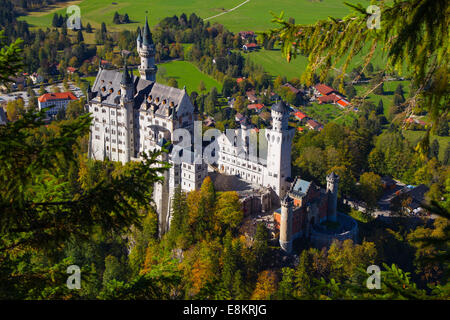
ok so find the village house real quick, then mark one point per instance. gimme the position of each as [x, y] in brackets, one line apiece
[250, 46]
[56, 102]
[247, 36]
[326, 94]
[314, 125]
[256, 107]
[71, 70]
[251, 96]
[36, 78]
[301, 116]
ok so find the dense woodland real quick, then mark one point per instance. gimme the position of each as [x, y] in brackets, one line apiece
[58, 208]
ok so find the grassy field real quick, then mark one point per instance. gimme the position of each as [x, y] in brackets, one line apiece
[415, 136]
[388, 97]
[325, 113]
[253, 15]
[274, 63]
[186, 74]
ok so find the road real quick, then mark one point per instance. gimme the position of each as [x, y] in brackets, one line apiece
[232, 9]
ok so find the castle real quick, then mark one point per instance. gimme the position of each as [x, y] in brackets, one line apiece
[133, 115]
[310, 212]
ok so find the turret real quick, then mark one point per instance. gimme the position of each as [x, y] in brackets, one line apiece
[146, 50]
[332, 191]
[139, 40]
[287, 204]
[127, 102]
[280, 116]
[126, 84]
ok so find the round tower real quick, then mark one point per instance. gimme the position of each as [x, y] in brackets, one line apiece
[287, 204]
[280, 116]
[332, 191]
[279, 148]
[146, 50]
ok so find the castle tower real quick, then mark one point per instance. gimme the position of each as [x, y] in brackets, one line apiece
[146, 50]
[332, 191]
[245, 135]
[287, 205]
[279, 144]
[127, 103]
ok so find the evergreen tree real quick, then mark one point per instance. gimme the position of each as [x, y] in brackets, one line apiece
[179, 224]
[238, 286]
[88, 28]
[116, 19]
[261, 245]
[442, 129]
[434, 149]
[103, 29]
[286, 285]
[446, 160]
[55, 21]
[377, 84]
[229, 263]
[350, 91]
[380, 107]
[399, 91]
[398, 99]
[80, 37]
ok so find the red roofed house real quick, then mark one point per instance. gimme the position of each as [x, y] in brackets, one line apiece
[323, 89]
[250, 46]
[291, 87]
[414, 120]
[343, 103]
[55, 101]
[314, 125]
[331, 98]
[247, 35]
[251, 96]
[255, 106]
[71, 70]
[300, 115]
[239, 80]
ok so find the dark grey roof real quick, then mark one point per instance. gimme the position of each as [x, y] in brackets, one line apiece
[126, 79]
[105, 81]
[147, 34]
[139, 38]
[281, 107]
[333, 176]
[169, 94]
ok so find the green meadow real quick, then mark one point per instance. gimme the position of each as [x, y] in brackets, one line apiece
[186, 74]
[253, 15]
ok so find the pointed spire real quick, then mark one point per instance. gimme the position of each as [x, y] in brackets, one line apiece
[147, 34]
[126, 79]
[139, 37]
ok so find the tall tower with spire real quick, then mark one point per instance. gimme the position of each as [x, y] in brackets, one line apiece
[146, 50]
[279, 144]
[127, 103]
